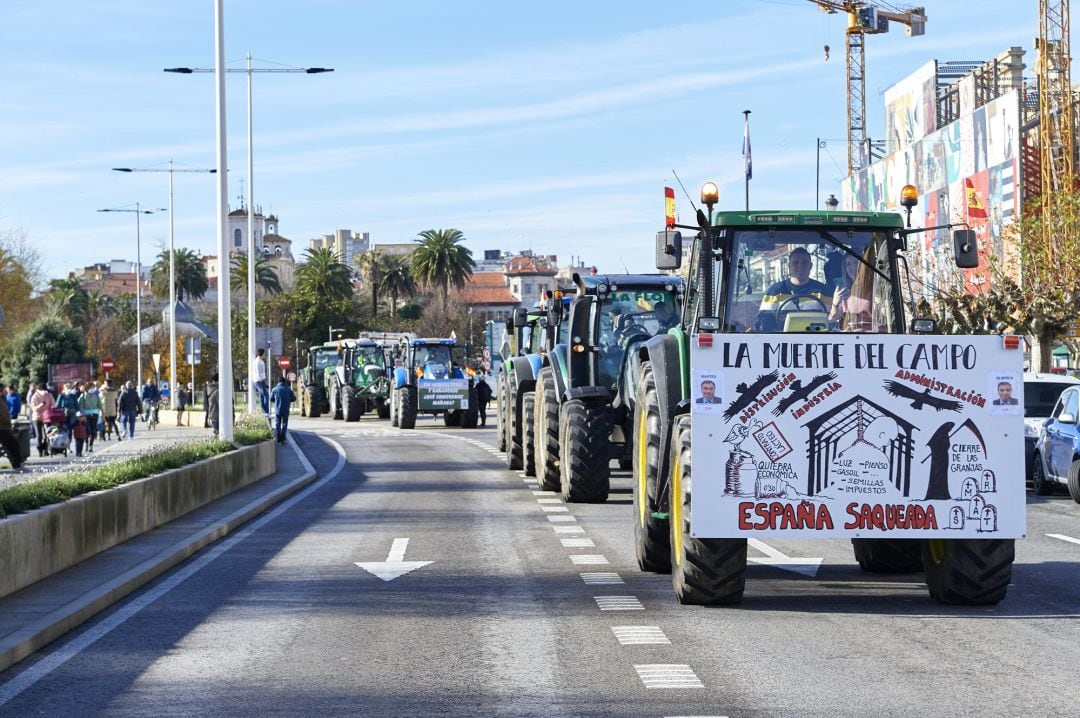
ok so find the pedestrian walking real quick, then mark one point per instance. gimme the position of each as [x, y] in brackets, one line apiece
[181, 404]
[149, 396]
[212, 404]
[69, 402]
[90, 406]
[128, 406]
[7, 437]
[109, 395]
[483, 396]
[41, 401]
[14, 402]
[261, 385]
[80, 431]
[282, 398]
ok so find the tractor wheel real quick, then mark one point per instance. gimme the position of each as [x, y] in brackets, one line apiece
[546, 433]
[1039, 484]
[408, 408]
[651, 532]
[500, 413]
[302, 399]
[1074, 481]
[351, 405]
[970, 572]
[703, 571]
[514, 459]
[586, 474]
[470, 417]
[888, 555]
[394, 416]
[626, 464]
[451, 418]
[314, 401]
[335, 402]
[382, 408]
[528, 432]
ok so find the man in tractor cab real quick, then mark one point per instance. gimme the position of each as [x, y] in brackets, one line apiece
[798, 291]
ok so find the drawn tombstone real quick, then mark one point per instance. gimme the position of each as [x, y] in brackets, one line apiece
[970, 489]
[989, 482]
[975, 507]
[989, 518]
[956, 517]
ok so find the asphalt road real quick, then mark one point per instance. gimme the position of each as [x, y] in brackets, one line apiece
[531, 607]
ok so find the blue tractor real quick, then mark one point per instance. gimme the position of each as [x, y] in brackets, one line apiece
[432, 379]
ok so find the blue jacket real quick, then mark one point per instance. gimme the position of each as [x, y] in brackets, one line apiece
[282, 398]
[14, 405]
[150, 393]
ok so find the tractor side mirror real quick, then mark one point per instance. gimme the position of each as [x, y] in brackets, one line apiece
[966, 249]
[521, 317]
[668, 250]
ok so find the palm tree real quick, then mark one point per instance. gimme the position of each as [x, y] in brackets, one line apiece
[397, 279]
[324, 275]
[191, 281]
[266, 277]
[440, 260]
[370, 264]
[68, 299]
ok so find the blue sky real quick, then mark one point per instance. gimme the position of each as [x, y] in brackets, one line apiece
[552, 126]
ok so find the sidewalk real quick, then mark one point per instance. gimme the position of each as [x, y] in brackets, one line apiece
[39, 614]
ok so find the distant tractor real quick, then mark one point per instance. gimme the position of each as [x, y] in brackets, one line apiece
[322, 358]
[359, 383]
[432, 379]
[516, 384]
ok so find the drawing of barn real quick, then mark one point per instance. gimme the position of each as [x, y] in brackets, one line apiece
[838, 429]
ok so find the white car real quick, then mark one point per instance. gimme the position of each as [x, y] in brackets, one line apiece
[1041, 392]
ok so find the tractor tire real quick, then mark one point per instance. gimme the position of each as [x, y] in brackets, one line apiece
[703, 571]
[470, 417]
[528, 433]
[451, 418]
[314, 401]
[514, 458]
[395, 418]
[352, 405]
[302, 400]
[1039, 483]
[407, 418]
[335, 403]
[500, 413]
[626, 464]
[585, 466]
[382, 408]
[652, 535]
[1074, 481]
[968, 572]
[546, 433]
[888, 555]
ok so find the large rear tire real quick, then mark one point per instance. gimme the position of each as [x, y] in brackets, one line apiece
[407, 420]
[382, 408]
[514, 458]
[1074, 481]
[528, 433]
[585, 464]
[888, 555]
[1039, 483]
[314, 401]
[500, 412]
[335, 402]
[470, 416]
[351, 404]
[703, 571]
[968, 572]
[652, 535]
[547, 432]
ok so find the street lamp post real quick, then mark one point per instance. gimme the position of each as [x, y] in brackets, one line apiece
[249, 70]
[172, 272]
[334, 330]
[138, 210]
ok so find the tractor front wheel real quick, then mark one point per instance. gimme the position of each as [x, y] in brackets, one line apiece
[585, 465]
[314, 401]
[968, 572]
[651, 531]
[351, 404]
[407, 419]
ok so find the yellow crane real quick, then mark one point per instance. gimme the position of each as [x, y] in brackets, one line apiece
[866, 19]
[1057, 143]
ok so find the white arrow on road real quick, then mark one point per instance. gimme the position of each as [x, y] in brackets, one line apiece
[805, 566]
[395, 564]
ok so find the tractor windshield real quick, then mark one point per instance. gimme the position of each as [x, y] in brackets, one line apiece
[629, 316]
[324, 359]
[432, 356]
[810, 280]
[363, 356]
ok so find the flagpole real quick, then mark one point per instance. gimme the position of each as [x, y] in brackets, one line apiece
[748, 164]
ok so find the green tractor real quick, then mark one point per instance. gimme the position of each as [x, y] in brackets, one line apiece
[359, 383]
[433, 379]
[585, 392]
[517, 380]
[783, 404]
[322, 359]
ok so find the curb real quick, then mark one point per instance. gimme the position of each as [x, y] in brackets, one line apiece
[21, 644]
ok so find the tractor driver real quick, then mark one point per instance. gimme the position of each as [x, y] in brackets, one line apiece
[796, 291]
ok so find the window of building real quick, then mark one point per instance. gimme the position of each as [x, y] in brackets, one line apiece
[528, 288]
[237, 238]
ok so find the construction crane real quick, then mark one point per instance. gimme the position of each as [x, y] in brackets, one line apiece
[866, 19]
[1056, 140]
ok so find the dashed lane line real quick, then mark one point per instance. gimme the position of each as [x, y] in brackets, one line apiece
[602, 578]
[555, 509]
[568, 529]
[577, 543]
[1060, 537]
[668, 675]
[560, 517]
[544, 493]
[588, 559]
[618, 603]
[548, 500]
[640, 636]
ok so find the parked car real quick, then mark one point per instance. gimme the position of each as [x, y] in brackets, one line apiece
[1057, 455]
[1041, 392]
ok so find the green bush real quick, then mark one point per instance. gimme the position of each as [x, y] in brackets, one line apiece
[251, 429]
[35, 494]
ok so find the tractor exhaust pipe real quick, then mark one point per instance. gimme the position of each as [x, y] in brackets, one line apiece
[579, 284]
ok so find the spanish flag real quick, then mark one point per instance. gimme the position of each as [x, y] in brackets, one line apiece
[669, 206]
[975, 207]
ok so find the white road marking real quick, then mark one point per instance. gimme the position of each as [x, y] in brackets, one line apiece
[544, 493]
[395, 565]
[547, 501]
[568, 529]
[62, 655]
[585, 559]
[555, 509]
[668, 675]
[1059, 537]
[557, 519]
[577, 543]
[602, 578]
[803, 566]
[640, 635]
[618, 603]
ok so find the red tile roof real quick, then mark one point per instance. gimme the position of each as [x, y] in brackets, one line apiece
[529, 265]
[487, 288]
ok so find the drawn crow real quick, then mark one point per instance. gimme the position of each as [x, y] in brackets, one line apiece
[921, 397]
[802, 393]
[747, 394]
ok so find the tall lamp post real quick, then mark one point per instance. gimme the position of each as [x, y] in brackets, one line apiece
[172, 272]
[253, 402]
[138, 210]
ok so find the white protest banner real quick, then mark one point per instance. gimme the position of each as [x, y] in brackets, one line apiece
[439, 394]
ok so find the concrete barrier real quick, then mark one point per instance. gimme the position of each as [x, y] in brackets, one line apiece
[42, 542]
